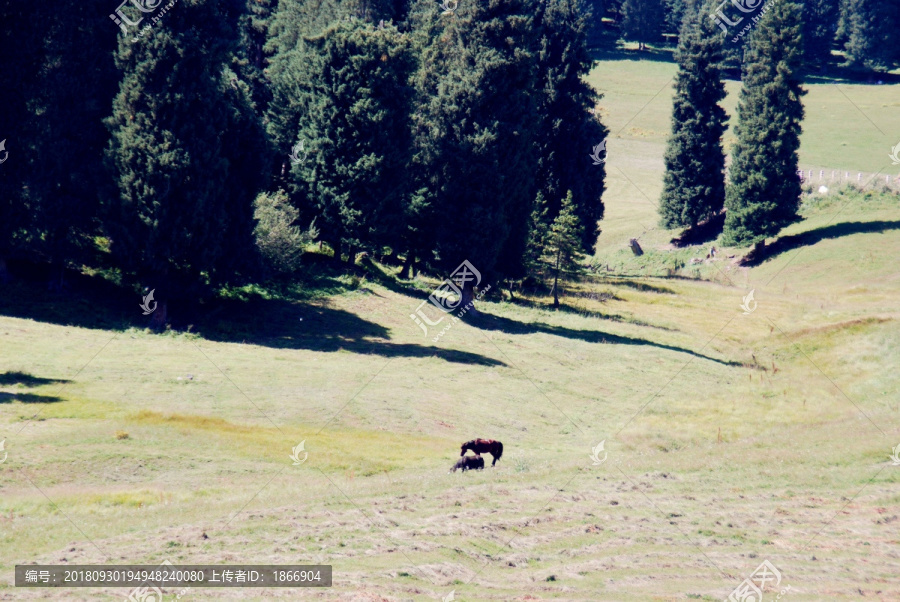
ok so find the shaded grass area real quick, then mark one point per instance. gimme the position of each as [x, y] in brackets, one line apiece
[783, 244]
[282, 314]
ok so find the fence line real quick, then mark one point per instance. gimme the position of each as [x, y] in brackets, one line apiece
[841, 176]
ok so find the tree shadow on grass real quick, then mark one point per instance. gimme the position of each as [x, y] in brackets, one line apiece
[811, 237]
[584, 312]
[22, 378]
[93, 302]
[28, 398]
[285, 325]
[490, 322]
[636, 285]
[704, 232]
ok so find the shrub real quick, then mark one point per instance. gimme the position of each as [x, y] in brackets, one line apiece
[280, 242]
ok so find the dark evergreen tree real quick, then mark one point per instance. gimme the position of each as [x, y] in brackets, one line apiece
[763, 195]
[675, 11]
[562, 244]
[538, 229]
[358, 135]
[694, 181]
[477, 133]
[251, 59]
[569, 129]
[819, 26]
[642, 21]
[75, 94]
[20, 62]
[292, 66]
[869, 28]
[55, 96]
[175, 155]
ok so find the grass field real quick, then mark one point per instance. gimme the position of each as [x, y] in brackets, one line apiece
[729, 438]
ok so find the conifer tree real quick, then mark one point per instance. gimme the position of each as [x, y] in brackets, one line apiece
[568, 126]
[870, 29]
[476, 133]
[18, 82]
[642, 21]
[694, 180]
[562, 244]
[293, 65]
[358, 135]
[67, 109]
[763, 195]
[175, 153]
[251, 58]
[538, 228]
[819, 17]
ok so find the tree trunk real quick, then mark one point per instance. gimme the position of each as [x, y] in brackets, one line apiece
[556, 281]
[57, 281]
[468, 300]
[158, 319]
[351, 255]
[407, 266]
[338, 250]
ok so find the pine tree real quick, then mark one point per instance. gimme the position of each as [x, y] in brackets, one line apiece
[642, 21]
[175, 155]
[870, 28]
[476, 130]
[675, 11]
[358, 135]
[293, 65]
[18, 83]
[763, 195]
[562, 244]
[694, 180]
[819, 17]
[568, 126]
[67, 109]
[54, 98]
[251, 59]
[538, 229]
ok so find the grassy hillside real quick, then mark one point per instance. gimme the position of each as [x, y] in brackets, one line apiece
[732, 438]
[848, 127]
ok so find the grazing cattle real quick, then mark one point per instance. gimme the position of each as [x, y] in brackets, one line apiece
[480, 446]
[469, 463]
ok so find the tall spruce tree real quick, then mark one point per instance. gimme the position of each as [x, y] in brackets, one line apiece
[75, 94]
[870, 28]
[20, 64]
[562, 244]
[476, 135]
[763, 195]
[251, 59]
[568, 127]
[675, 12]
[175, 154]
[642, 21]
[54, 97]
[292, 66]
[819, 18]
[694, 180]
[358, 135]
